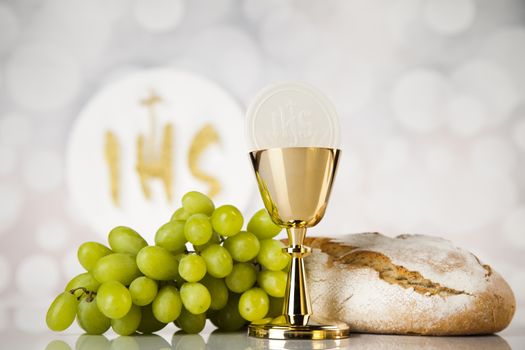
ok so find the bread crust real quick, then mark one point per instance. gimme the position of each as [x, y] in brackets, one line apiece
[352, 279]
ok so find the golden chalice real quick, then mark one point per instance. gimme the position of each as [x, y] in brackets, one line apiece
[294, 133]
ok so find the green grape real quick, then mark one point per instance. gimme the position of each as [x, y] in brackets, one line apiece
[180, 214]
[123, 239]
[167, 305]
[148, 322]
[157, 263]
[219, 262]
[113, 299]
[262, 226]
[227, 220]
[128, 324]
[242, 277]
[195, 202]
[190, 323]
[84, 280]
[116, 267]
[197, 229]
[273, 282]
[171, 237]
[218, 291]
[90, 318]
[271, 255]
[276, 307]
[92, 342]
[195, 297]
[243, 247]
[215, 239]
[57, 345]
[62, 312]
[192, 268]
[254, 304]
[143, 290]
[228, 319]
[90, 252]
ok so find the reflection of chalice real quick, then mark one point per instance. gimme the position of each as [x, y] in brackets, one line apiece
[295, 184]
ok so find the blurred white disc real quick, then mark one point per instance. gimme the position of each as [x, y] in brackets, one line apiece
[466, 115]
[158, 16]
[190, 104]
[4, 318]
[440, 158]
[491, 83]
[256, 10]
[291, 114]
[70, 265]
[513, 227]
[80, 28]
[235, 55]
[449, 16]
[52, 234]
[15, 130]
[418, 99]
[11, 200]
[43, 170]
[9, 27]
[351, 88]
[477, 200]
[41, 77]
[37, 275]
[5, 273]
[506, 46]
[28, 319]
[493, 155]
[396, 154]
[283, 35]
[203, 13]
[518, 133]
[8, 158]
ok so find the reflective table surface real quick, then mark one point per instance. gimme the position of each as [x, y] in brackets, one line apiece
[212, 339]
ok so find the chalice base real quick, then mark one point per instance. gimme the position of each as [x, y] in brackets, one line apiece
[289, 331]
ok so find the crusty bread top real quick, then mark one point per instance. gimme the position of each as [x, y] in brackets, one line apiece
[429, 265]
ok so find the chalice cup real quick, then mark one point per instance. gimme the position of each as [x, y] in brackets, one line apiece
[295, 180]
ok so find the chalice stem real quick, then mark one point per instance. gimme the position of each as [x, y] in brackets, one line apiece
[297, 308]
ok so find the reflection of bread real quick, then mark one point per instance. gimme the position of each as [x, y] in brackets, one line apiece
[392, 342]
[411, 284]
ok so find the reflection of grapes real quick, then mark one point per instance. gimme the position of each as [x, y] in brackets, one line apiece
[57, 345]
[229, 276]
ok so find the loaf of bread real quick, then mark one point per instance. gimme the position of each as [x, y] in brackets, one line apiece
[410, 284]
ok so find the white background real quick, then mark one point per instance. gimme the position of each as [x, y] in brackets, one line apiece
[430, 94]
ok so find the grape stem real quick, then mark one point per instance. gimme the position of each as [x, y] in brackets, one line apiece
[90, 294]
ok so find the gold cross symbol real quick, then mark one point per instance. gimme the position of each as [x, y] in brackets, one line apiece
[152, 100]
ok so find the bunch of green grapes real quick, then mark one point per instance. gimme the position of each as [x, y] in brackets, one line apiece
[202, 266]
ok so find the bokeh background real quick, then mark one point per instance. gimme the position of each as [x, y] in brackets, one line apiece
[430, 94]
